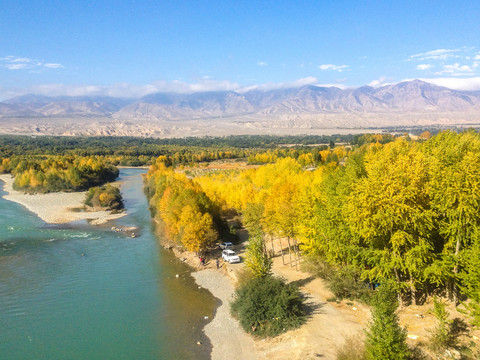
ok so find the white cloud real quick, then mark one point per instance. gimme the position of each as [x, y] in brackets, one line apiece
[13, 59]
[424, 66]
[125, 90]
[19, 63]
[379, 82]
[340, 86]
[439, 54]
[472, 83]
[477, 57]
[53, 66]
[456, 69]
[262, 63]
[15, 66]
[333, 67]
[282, 85]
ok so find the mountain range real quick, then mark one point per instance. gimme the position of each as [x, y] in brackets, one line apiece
[308, 109]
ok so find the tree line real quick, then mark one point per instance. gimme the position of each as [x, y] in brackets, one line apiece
[131, 151]
[186, 213]
[404, 211]
[35, 174]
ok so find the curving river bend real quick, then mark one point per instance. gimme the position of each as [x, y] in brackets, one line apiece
[85, 292]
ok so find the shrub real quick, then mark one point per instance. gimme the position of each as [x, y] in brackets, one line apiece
[352, 349]
[441, 337]
[318, 267]
[346, 284]
[386, 340]
[268, 306]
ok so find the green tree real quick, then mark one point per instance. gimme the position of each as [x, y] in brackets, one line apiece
[389, 209]
[471, 279]
[454, 180]
[252, 218]
[386, 339]
[256, 257]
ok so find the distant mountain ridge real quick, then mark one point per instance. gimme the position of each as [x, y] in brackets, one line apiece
[411, 96]
[308, 107]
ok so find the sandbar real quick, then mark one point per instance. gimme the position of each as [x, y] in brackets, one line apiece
[58, 207]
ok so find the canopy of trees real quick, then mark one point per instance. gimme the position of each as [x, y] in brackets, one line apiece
[183, 208]
[107, 196]
[130, 151]
[403, 211]
[57, 173]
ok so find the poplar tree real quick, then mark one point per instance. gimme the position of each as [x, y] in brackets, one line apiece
[256, 257]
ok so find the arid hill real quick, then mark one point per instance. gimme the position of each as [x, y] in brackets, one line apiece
[307, 109]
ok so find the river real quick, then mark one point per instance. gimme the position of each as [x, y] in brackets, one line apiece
[78, 291]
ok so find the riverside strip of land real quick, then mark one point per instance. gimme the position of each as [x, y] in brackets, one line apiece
[58, 207]
[328, 324]
[224, 332]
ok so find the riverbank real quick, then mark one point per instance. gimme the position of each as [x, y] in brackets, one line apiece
[226, 336]
[328, 324]
[56, 208]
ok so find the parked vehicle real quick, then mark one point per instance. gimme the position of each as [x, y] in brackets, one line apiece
[226, 245]
[230, 256]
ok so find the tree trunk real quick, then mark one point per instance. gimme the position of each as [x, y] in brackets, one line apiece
[281, 249]
[273, 249]
[399, 295]
[455, 272]
[297, 251]
[295, 255]
[449, 289]
[289, 250]
[413, 291]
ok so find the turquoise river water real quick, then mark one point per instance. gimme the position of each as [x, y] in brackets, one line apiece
[119, 300]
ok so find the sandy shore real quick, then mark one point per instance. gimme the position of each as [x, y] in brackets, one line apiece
[228, 340]
[56, 208]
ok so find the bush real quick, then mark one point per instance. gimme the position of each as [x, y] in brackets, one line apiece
[352, 349]
[268, 306]
[318, 267]
[346, 284]
[441, 337]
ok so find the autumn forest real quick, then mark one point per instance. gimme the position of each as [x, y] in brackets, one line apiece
[373, 208]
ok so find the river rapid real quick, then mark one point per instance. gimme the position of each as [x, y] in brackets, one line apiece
[78, 291]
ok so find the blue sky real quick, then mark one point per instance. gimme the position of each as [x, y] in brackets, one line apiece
[132, 48]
